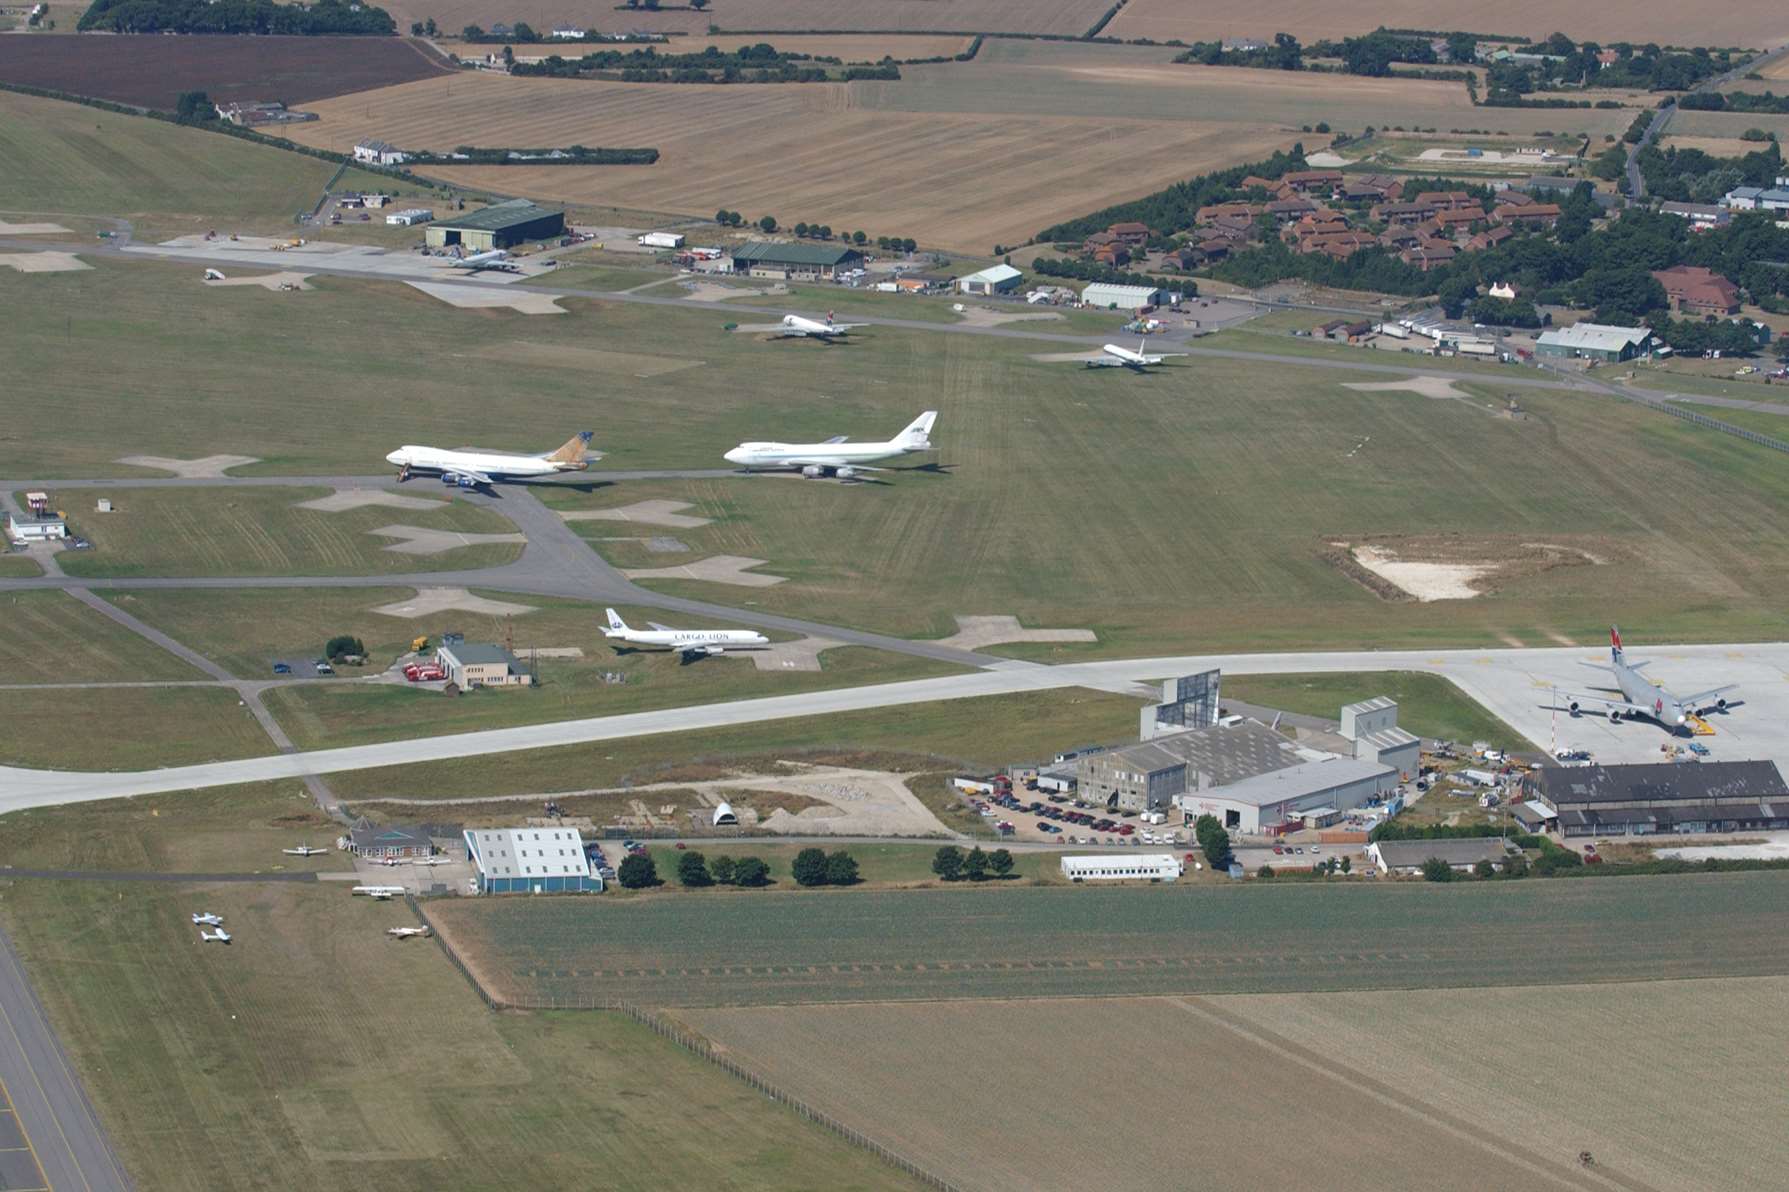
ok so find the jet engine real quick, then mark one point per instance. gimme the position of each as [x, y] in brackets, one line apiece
[1572, 707]
[846, 473]
[813, 472]
[1614, 715]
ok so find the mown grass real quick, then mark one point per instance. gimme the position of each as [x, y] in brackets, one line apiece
[1428, 705]
[316, 1051]
[125, 728]
[50, 637]
[19, 567]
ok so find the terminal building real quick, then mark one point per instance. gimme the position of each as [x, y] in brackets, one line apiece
[531, 861]
[501, 225]
[1652, 798]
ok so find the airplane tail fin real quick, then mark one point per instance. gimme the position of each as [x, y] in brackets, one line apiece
[1614, 644]
[918, 433]
[615, 621]
[573, 450]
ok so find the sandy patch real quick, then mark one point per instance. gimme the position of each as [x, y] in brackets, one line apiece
[1450, 567]
[429, 601]
[1424, 581]
[975, 632]
[267, 281]
[1067, 357]
[414, 540]
[1325, 160]
[468, 298]
[30, 229]
[597, 360]
[205, 467]
[716, 569]
[357, 498]
[1437, 387]
[982, 316]
[43, 262]
[651, 513]
[803, 654]
[714, 291]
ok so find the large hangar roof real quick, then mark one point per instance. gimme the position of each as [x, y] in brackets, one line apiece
[501, 216]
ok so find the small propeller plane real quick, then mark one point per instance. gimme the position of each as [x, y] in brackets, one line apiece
[303, 850]
[220, 936]
[379, 893]
[207, 919]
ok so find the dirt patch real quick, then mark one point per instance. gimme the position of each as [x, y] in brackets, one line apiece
[982, 316]
[415, 540]
[356, 498]
[974, 632]
[468, 298]
[205, 467]
[1450, 566]
[429, 601]
[1067, 357]
[267, 281]
[595, 360]
[709, 291]
[716, 569]
[29, 229]
[43, 262]
[652, 513]
[1437, 387]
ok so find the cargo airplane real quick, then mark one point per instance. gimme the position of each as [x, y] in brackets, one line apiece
[478, 262]
[687, 642]
[1118, 356]
[837, 456]
[469, 467]
[795, 325]
[1641, 698]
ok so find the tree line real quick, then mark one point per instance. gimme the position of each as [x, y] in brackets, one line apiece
[325, 17]
[1737, 101]
[977, 865]
[759, 63]
[811, 867]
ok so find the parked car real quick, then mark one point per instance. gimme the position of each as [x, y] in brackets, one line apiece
[282, 668]
[323, 667]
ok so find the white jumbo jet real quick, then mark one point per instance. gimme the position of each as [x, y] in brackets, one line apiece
[380, 893]
[469, 467]
[1118, 356]
[837, 456]
[303, 850]
[688, 642]
[478, 262]
[220, 936]
[1641, 698]
[795, 325]
[207, 919]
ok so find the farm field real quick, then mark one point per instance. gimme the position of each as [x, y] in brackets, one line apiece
[787, 150]
[1729, 125]
[1038, 941]
[149, 70]
[1487, 1110]
[125, 728]
[69, 159]
[1748, 23]
[50, 637]
[1428, 705]
[1713, 146]
[259, 531]
[317, 1052]
[1071, 17]
[975, 733]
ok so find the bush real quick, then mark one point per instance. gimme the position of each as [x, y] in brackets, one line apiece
[841, 869]
[751, 872]
[722, 869]
[1000, 862]
[1484, 869]
[1437, 870]
[809, 867]
[947, 862]
[692, 870]
[342, 645]
[1265, 873]
[637, 872]
[975, 865]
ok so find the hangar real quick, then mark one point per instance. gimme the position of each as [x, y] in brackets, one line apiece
[795, 262]
[501, 225]
[1657, 797]
[531, 861]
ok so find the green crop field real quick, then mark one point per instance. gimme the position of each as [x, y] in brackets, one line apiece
[258, 531]
[125, 728]
[69, 159]
[750, 948]
[981, 732]
[50, 637]
[317, 1052]
[1428, 705]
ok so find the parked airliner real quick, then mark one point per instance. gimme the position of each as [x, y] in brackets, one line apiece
[1641, 698]
[837, 456]
[796, 325]
[687, 642]
[468, 466]
[1118, 356]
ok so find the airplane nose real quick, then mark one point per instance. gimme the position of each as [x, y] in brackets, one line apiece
[392, 457]
[734, 456]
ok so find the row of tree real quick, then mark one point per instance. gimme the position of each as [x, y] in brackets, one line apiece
[953, 864]
[331, 17]
[816, 231]
[811, 867]
[1736, 101]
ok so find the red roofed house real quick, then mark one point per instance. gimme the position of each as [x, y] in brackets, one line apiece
[1131, 233]
[1533, 215]
[1698, 290]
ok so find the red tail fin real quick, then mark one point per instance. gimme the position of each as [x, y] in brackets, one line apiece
[1615, 643]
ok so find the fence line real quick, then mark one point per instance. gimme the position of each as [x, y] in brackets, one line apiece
[1703, 420]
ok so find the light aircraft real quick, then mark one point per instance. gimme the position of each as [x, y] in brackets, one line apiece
[1641, 698]
[208, 920]
[405, 933]
[429, 860]
[795, 325]
[220, 936]
[303, 850]
[836, 456]
[468, 467]
[380, 893]
[687, 642]
[478, 262]
[1118, 356]
[214, 275]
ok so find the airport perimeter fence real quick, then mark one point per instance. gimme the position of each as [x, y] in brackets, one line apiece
[1703, 420]
[697, 1045]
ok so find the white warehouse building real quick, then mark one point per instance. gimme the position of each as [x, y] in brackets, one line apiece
[531, 861]
[1120, 867]
[1106, 295]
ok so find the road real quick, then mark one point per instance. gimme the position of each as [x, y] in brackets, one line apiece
[60, 1143]
[1517, 685]
[1636, 184]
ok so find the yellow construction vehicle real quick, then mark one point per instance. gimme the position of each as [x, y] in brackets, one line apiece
[419, 645]
[1699, 726]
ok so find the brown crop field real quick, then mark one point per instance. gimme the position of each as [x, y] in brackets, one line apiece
[1072, 17]
[810, 152]
[151, 71]
[1729, 125]
[1481, 1089]
[1751, 23]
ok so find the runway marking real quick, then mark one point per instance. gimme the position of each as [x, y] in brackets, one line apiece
[8, 1115]
[20, 1044]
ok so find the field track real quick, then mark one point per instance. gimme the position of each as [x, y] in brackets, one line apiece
[151, 71]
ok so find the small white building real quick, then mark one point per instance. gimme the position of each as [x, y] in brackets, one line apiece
[410, 215]
[1123, 867]
[1106, 296]
[661, 240]
[25, 528]
[1503, 290]
[725, 816]
[995, 279]
[379, 153]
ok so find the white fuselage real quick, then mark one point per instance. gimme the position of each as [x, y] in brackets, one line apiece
[1637, 689]
[796, 325]
[689, 639]
[489, 463]
[816, 455]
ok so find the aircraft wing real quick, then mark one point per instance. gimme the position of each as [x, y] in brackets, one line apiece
[1605, 701]
[1105, 362]
[837, 439]
[470, 474]
[1702, 697]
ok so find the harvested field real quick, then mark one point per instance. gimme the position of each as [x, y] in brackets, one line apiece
[151, 71]
[779, 948]
[787, 149]
[1072, 17]
[1713, 146]
[1742, 23]
[1729, 125]
[848, 47]
[1492, 1108]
